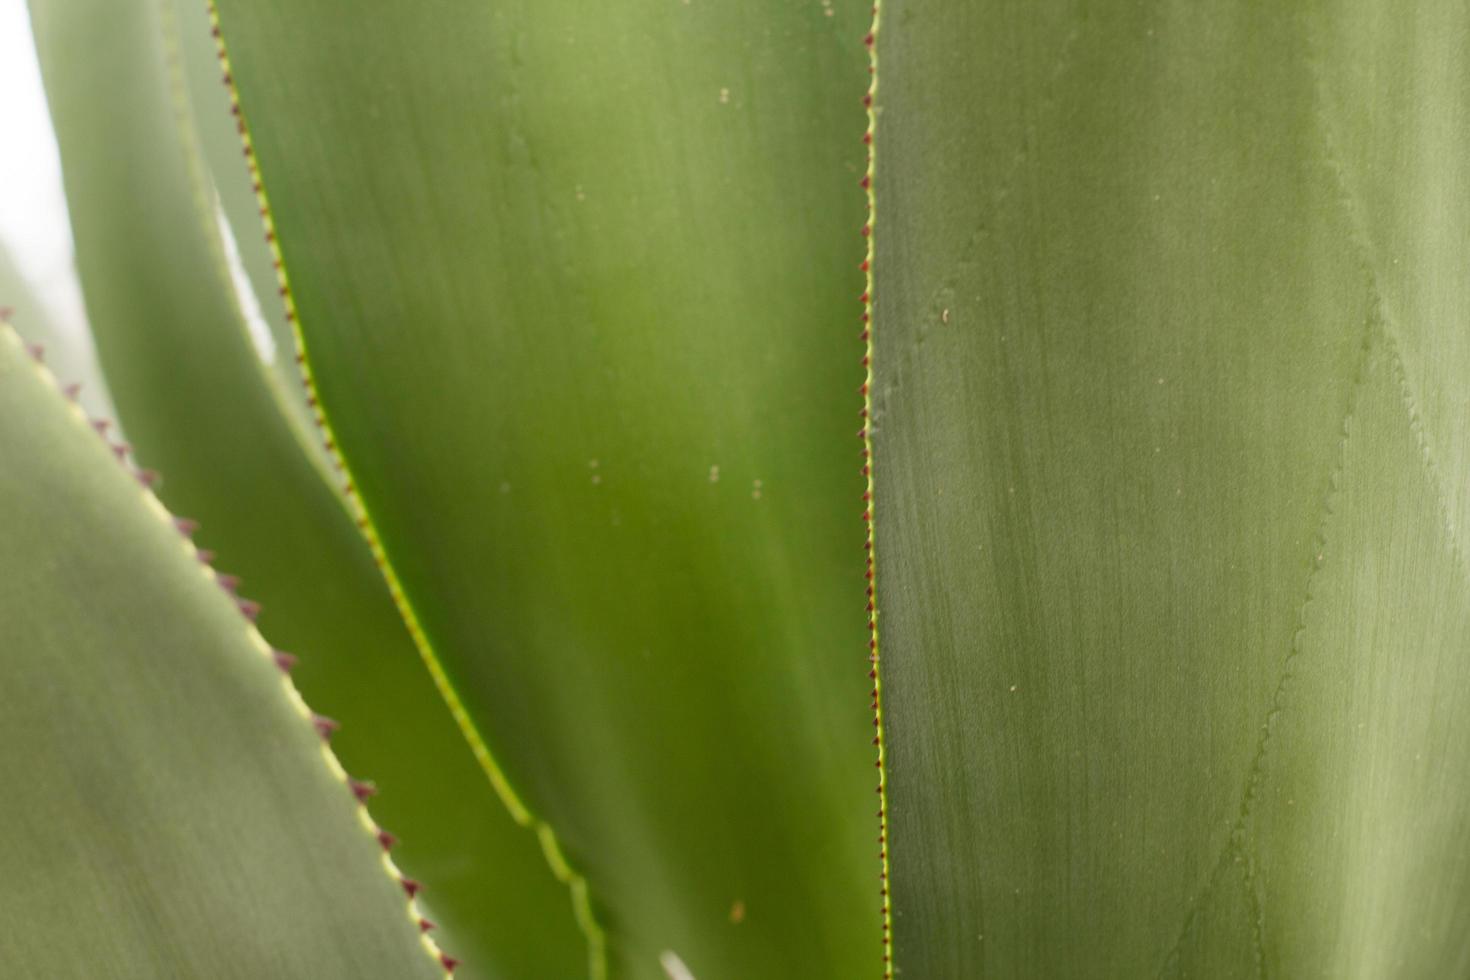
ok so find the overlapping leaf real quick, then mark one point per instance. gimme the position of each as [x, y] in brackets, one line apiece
[578, 284]
[1170, 608]
[199, 407]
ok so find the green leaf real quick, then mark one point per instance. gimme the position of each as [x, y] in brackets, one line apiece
[200, 407]
[1171, 609]
[578, 286]
[169, 809]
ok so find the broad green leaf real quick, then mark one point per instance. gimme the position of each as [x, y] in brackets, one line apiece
[199, 407]
[578, 283]
[169, 809]
[1171, 611]
[70, 358]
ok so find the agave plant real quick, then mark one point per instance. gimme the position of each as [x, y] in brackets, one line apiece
[540, 484]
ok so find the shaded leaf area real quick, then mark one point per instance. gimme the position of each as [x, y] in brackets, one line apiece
[1147, 487]
[169, 809]
[579, 284]
[199, 407]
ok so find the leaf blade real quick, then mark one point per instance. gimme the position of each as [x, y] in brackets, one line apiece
[201, 409]
[637, 503]
[151, 750]
[1116, 377]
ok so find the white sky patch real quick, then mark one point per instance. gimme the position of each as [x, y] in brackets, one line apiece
[33, 218]
[673, 966]
[260, 331]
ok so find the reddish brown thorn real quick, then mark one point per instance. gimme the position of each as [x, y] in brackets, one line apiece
[868, 40]
[186, 526]
[867, 229]
[410, 886]
[863, 389]
[227, 582]
[425, 925]
[864, 185]
[204, 555]
[249, 609]
[285, 661]
[877, 742]
[72, 391]
[227, 79]
[121, 450]
[873, 676]
[214, 31]
[867, 515]
[863, 265]
[386, 840]
[324, 726]
[868, 138]
[37, 352]
[864, 338]
[149, 478]
[101, 425]
[365, 790]
[875, 725]
[867, 99]
[449, 962]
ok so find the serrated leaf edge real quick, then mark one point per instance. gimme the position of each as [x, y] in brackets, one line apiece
[546, 836]
[185, 528]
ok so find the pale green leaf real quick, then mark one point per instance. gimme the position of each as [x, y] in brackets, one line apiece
[169, 810]
[1171, 608]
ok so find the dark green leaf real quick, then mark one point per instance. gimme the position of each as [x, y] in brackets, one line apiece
[578, 283]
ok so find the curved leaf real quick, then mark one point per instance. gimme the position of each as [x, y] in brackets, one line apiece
[578, 286]
[1173, 643]
[169, 809]
[198, 405]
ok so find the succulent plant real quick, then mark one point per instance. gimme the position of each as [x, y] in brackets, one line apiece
[491, 582]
